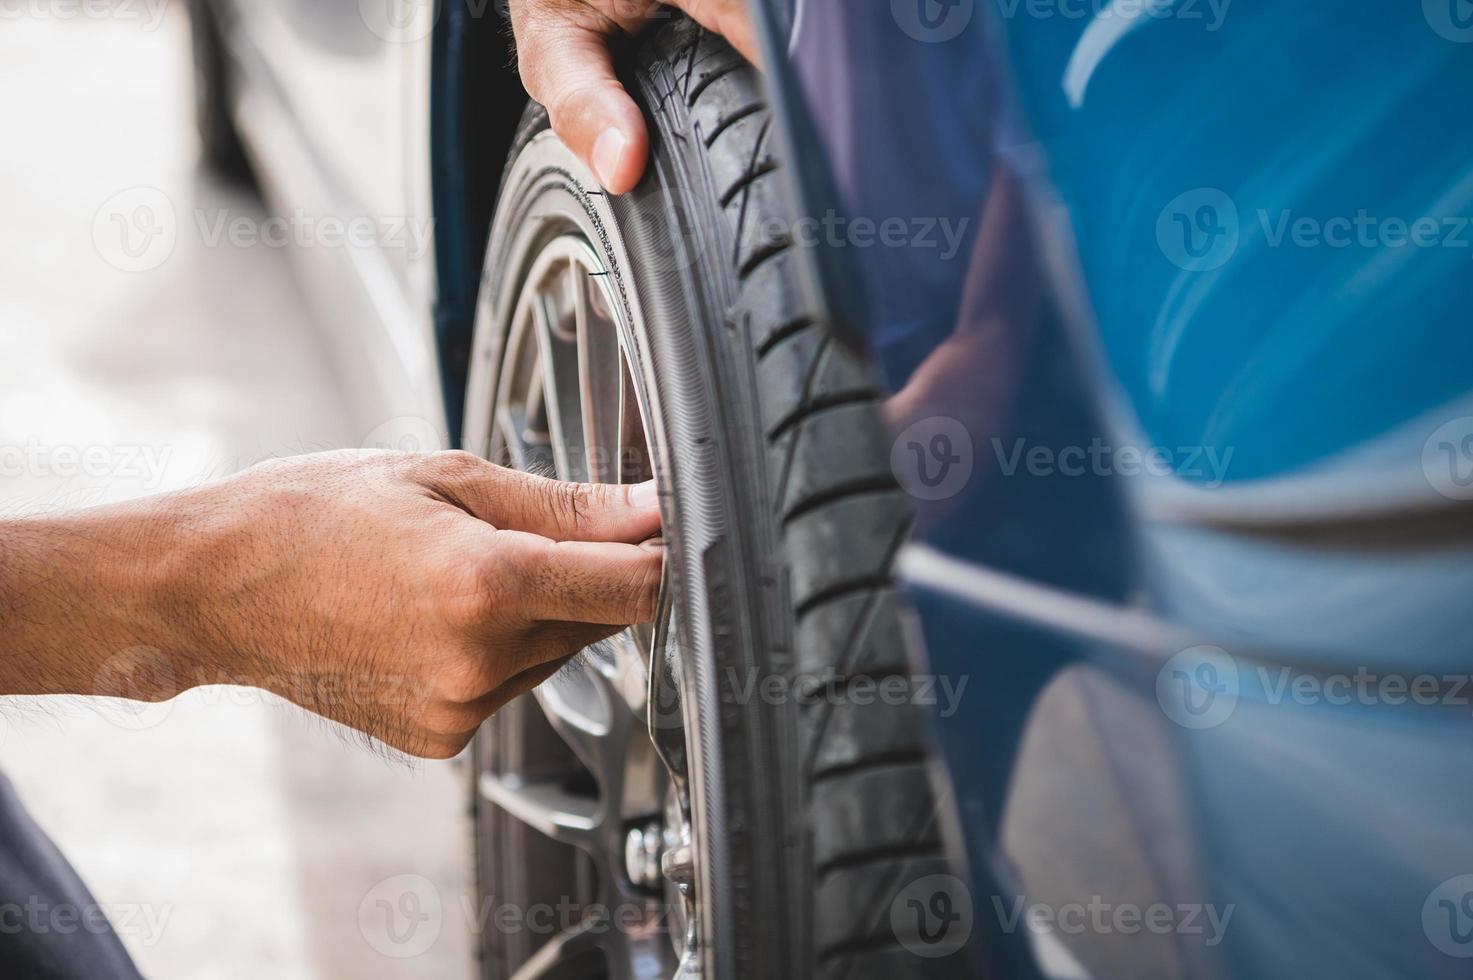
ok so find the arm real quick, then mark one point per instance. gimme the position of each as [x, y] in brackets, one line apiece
[408, 596]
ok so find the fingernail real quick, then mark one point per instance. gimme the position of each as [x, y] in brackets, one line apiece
[645, 496]
[607, 151]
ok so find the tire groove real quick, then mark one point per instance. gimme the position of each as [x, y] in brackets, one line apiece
[914, 755]
[731, 119]
[877, 855]
[780, 498]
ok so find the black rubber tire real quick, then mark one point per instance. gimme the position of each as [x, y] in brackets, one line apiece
[831, 803]
[221, 150]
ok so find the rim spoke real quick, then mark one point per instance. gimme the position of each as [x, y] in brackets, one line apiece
[599, 380]
[635, 466]
[572, 953]
[557, 348]
[512, 422]
[545, 806]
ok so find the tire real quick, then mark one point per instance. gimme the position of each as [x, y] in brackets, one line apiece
[221, 150]
[814, 810]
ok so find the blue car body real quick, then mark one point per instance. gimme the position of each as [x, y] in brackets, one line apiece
[1185, 389]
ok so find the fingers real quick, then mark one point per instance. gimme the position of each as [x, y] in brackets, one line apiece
[580, 581]
[551, 509]
[579, 511]
[727, 18]
[566, 66]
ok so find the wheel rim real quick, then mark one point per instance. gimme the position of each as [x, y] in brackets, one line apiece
[601, 811]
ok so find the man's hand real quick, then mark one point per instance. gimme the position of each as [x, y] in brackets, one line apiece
[407, 596]
[563, 53]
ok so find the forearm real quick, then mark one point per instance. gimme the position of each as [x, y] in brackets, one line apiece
[80, 590]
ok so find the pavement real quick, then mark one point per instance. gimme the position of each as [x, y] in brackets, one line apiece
[228, 835]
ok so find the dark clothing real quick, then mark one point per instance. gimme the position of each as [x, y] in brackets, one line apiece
[51, 928]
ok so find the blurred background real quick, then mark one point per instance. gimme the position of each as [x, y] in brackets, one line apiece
[237, 836]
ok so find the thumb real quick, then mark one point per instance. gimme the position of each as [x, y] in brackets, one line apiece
[551, 509]
[568, 68]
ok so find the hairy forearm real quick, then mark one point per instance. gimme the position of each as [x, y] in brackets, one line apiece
[80, 590]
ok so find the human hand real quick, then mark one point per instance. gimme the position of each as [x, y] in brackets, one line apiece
[408, 596]
[563, 54]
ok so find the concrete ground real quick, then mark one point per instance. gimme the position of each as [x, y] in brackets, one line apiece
[229, 837]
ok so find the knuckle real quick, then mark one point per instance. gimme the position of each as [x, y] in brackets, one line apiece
[457, 464]
[442, 748]
[463, 684]
[573, 503]
[510, 576]
[646, 597]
